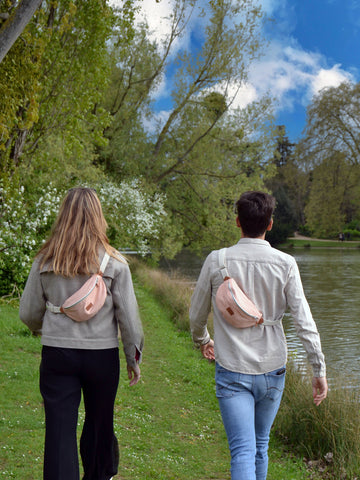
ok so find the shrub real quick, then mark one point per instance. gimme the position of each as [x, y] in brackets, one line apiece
[174, 291]
[135, 220]
[351, 234]
[135, 217]
[21, 231]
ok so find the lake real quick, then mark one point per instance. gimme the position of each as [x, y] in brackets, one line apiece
[331, 279]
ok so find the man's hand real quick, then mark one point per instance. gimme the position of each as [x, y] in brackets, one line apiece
[133, 374]
[320, 389]
[207, 350]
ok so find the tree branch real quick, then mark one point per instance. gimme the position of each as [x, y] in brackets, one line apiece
[15, 24]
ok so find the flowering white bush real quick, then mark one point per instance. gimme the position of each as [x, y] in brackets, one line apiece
[21, 226]
[135, 220]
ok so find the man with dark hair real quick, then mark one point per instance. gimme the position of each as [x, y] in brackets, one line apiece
[254, 211]
[251, 362]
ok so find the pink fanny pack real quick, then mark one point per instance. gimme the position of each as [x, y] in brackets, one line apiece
[88, 300]
[235, 307]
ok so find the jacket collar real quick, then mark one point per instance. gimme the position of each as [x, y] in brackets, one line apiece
[253, 241]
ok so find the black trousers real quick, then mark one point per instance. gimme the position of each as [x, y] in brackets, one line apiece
[64, 374]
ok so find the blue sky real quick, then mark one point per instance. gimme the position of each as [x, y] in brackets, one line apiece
[327, 31]
[312, 44]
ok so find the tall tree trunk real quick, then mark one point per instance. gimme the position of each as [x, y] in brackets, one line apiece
[15, 24]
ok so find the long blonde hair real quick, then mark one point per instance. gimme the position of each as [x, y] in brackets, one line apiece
[77, 234]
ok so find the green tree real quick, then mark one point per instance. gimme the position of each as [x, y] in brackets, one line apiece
[286, 218]
[324, 210]
[50, 118]
[333, 125]
[331, 148]
[203, 151]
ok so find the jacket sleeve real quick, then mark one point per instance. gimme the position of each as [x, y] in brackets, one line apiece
[305, 325]
[33, 302]
[201, 305]
[127, 316]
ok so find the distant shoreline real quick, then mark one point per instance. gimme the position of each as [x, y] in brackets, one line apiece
[300, 241]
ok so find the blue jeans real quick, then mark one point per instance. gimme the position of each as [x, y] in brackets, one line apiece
[248, 405]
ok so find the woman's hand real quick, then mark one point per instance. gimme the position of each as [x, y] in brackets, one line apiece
[133, 374]
[207, 350]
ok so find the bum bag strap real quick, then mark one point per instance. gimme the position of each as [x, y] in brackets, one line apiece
[52, 308]
[277, 321]
[222, 261]
[104, 262]
[56, 309]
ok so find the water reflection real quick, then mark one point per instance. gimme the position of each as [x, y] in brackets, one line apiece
[331, 280]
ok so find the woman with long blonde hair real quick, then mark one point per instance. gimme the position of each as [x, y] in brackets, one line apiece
[81, 357]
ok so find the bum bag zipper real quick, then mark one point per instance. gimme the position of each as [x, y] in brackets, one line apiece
[82, 298]
[233, 296]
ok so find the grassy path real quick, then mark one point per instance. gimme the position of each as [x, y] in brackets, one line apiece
[168, 426]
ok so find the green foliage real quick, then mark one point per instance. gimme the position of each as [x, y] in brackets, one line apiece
[136, 220]
[79, 109]
[354, 224]
[351, 234]
[55, 94]
[284, 218]
[332, 125]
[202, 152]
[20, 73]
[329, 152]
[324, 210]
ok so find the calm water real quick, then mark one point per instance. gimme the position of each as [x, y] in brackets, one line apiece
[331, 280]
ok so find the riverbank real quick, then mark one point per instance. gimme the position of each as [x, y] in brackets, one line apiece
[327, 435]
[168, 426]
[300, 241]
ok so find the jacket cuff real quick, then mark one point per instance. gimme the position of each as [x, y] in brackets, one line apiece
[319, 371]
[134, 360]
[205, 340]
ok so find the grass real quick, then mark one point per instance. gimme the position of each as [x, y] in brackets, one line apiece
[168, 426]
[330, 432]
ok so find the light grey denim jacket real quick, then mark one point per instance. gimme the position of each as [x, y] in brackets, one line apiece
[271, 279]
[120, 311]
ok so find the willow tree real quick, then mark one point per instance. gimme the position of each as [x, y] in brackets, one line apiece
[203, 151]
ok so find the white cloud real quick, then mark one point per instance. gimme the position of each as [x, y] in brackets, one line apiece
[155, 14]
[293, 76]
[329, 78]
[246, 94]
[287, 72]
[158, 17]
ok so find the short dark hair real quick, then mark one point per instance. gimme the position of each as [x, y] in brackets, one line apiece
[255, 210]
